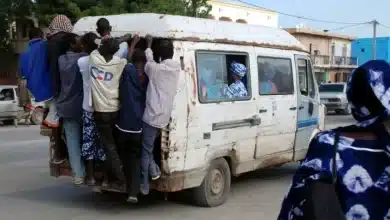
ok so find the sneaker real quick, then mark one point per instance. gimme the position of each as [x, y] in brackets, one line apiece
[78, 181]
[144, 189]
[132, 199]
[105, 184]
[91, 182]
[58, 161]
[154, 171]
[96, 189]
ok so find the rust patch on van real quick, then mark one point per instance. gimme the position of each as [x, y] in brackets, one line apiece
[171, 183]
[275, 161]
[192, 74]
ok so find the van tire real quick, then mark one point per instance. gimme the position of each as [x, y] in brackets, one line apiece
[215, 187]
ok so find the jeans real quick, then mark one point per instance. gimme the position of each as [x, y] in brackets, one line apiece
[73, 138]
[129, 145]
[148, 166]
[105, 122]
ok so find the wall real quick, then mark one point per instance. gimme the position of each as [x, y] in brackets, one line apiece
[339, 45]
[362, 49]
[318, 43]
[250, 15]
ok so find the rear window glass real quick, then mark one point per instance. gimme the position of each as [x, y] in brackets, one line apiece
[7, 95]
[331, 88]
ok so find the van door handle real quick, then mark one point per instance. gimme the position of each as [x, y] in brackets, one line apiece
[263, 110]
[293, 108]
[301, 107]
[255, 121]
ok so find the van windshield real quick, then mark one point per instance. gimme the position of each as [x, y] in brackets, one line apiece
[331, 88]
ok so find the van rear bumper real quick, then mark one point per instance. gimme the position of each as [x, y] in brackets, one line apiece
[174, 182]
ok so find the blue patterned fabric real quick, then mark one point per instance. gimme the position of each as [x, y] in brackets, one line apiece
[238, 69]
[91, 148]
[235, 90]
[363, 166]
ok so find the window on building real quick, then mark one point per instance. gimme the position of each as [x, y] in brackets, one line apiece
[305, 75]
[216, 82]
[268, 17]
[275, 76]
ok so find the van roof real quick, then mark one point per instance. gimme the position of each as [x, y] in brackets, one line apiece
[193, 29]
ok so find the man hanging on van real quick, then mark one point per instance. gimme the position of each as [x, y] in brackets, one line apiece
[237, 88]
[69, 103]
[104, 29]
[106, 70]
[91, 149]
[132, 94]
[34, 69]
[161, 91]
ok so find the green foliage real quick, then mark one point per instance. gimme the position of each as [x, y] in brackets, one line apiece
[46, 10]
[11, 10]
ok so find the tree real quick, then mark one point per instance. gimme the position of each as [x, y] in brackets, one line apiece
[11, 10]
[197, 8]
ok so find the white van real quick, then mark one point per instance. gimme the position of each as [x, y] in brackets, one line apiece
[210, 137]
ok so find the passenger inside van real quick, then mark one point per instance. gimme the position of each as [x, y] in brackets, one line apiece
[237, 88]
[211, 87]
[266, 76]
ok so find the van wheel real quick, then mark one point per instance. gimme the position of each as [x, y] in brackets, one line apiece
[215, 188]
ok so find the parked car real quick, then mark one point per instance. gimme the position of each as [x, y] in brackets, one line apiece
[9, 104]
[334, 97]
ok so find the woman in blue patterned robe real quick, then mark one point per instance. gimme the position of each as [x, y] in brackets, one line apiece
[363, 164]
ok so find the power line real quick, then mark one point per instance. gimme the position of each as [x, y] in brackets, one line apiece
[385, 26]
[348, 26]
[298, 16]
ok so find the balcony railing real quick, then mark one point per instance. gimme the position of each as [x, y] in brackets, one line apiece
[320, 60]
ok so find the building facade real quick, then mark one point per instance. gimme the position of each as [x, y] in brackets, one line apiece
[363, 49]
[331, 53]
[237, 12]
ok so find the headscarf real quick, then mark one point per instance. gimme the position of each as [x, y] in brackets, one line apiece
[368, 92]
[238, 69]
[60, 23]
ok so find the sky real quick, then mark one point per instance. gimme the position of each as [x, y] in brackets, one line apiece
[350, 11]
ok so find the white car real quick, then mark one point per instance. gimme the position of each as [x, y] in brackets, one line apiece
[334, 97]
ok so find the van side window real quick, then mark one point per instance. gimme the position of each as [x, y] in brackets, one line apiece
[275, 76]
[306, 81]
[7, 95]
[218, 81]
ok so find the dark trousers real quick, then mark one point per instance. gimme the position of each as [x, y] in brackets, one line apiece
[129, 145]
[105, 122]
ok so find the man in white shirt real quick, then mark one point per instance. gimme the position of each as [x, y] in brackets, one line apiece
[161, 91]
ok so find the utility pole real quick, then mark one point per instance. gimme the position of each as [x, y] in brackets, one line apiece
[374, 23]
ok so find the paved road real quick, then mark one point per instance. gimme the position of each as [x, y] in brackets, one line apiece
[28, 192]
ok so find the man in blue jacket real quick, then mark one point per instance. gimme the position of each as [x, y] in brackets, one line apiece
[132, 95]
[34, 67]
